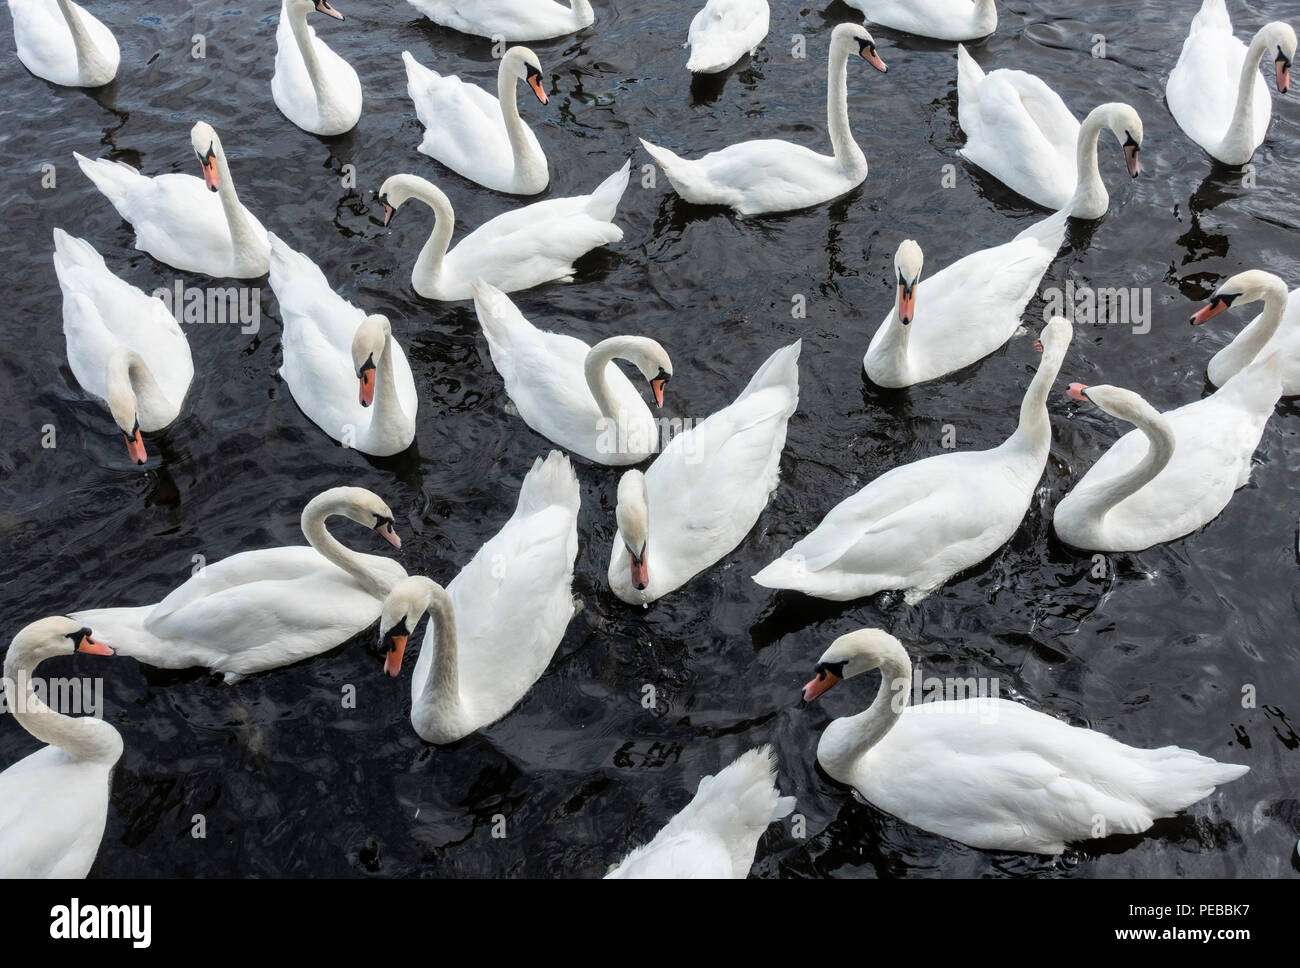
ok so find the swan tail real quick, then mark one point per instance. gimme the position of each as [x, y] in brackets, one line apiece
[969, 77]
[1213, 15]
[602, 204]
[664, 158]
[113, 178]
[418, 77]
[287, 262]
[551, 482]
[498, 316]
[781, 369]
[71, 252]
[1050, 231]
[1174, 778]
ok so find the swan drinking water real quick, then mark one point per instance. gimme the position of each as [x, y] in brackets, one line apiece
[58, 41]
[312, 86]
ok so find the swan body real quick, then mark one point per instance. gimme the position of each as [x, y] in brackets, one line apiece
[260, 610]
[939, 19]
[991, 773]
[193, 224]
[914, 527]
[723, 32]
[705, 491]
[329, 345]
[1214, 91]
[493, 630]
[479, 136]
[716, 834]
[54, 802]
[519, 249]
[60, 42]
[124, 347]
[757, 177]
[513, 20]
[1020, 131]
[975, 306]
[312, 86]
[1275, 330]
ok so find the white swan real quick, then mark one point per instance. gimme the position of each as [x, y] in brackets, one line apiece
[704, 493]
[992, 773]
[479, 136]
[260, 610]
[312, 86]
[571, 393]
[1176, 471]
[176, 218]
[512, 20]
[1275, 330]
[124, 347]
[1214, 91]
[59, 41]
[493, 630]
[518, 249]
[54, 802]
[329, 345]
[971, 307]
[716, 834]
[754, 177]
[1020, 131]
[916, 526]
[723, 32]
[939, 19]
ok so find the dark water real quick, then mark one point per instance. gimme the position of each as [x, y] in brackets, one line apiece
[291, 783]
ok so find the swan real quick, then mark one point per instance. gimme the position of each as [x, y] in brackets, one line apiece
[510, 20]
[1214, 92]
[991, 773]
[572, 393]
[124, 347]
[723, 32]
[704, 493]
[54, 802]
[329, 345]
[312, 86]
[477, 135]
[515, 250]
[176, 219]
[975, 308]
[716, 834]
[493, 630]
[1275, 330]
[757, 177]
[1176, 471]
[914, 527]
[1020, 131]
[260, 610]
[939, 19]
[60, 42]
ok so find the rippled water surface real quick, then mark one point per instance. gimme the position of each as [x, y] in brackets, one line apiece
[291, 783]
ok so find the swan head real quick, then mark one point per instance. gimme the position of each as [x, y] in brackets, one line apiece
[368, 346]
[1116, 401]
[122, 401]
[907, 264]
[525, 66]
[1055, 338]
[854, 37]
[320, 6]
[357, 504]
[652, 360]
[402, 611]
[48, 637]
[1125, 124]
[851, 655]
[1280, 38]
[1250, 286]
[206, 144]
[633, 517]
[396, 189]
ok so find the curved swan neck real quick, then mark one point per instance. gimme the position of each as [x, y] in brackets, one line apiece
[307, 48]
[443, 683]
[127, 371]
[855, 735]
[847, 153]
[81, 737]
[1275, 302]
[388, 408]
[88, 56]
[241, 234]
[594, 367]
[1241, 130]
[318, 536]
[1090, 195]
[428, 265]
[1035, 429]
[1160, 441]
[507, 94]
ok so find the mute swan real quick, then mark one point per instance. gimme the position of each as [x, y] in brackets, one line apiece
[939, 19]
[59, 41]
[572, 393]
[1020, 131]
[479, 136]
[916, 526]
[493, 630]
[704, 493]
[312, 86]
[975, 307]
[723, 32]
[1275, 330]
[124, 347]
[329, 345]
[1176, 471]
[518, 249]
[1214, 92]
[260, 610]
[756, 177]
[53, 803]
[716, 834]
[992, 773]
[176, 219]
[511, 20]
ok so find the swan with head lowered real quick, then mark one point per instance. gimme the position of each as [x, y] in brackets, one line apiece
[1020, 131]
[1214, 91]
[312, 86]
[193, 224]
[991, 773]
[756, 177]
[1275, 330]
[493, 630]
[476, 135]
[60, 42]
[510, 20]
[914, 527]
[723, 32]
[937, 19]
[259, 610]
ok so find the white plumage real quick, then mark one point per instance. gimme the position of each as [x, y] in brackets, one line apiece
[60, 42]
[513, 20]
[312, 86]
[723, 32]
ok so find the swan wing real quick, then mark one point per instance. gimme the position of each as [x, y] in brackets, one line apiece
[52, 815]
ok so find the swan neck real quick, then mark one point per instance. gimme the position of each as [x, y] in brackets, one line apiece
[388, 408]
[1160, 448]
[1241, 130]
[443, 684]
[128, 370]
[891, 351]
[428, 265]
[331, 549]
[241, 235]
[1035, 430]
[88, 55]
[81, 737]
[507, 94]
[307, 48]
[595, 367]
[1089, 190]
[856, 735]
[847, 153]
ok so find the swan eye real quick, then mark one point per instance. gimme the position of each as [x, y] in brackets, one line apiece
[636, 558]
[1282, 58]
[398, 630]
[78, 636]
[834, 668]
[369, 364]
[1226, 299]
